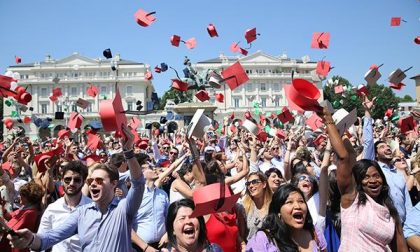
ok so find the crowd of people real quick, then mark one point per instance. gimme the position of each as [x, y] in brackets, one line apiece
[310, 190]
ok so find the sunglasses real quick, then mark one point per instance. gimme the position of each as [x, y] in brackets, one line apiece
[173, 153]
[76, 180]
[165, 148]
[398, 160]
[98, 181]
[303, 177]
[275, 148]
[252, 182]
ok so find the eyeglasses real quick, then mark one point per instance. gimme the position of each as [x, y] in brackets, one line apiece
[304, 177]
[98, 181]
[76, 180]
[252, 182]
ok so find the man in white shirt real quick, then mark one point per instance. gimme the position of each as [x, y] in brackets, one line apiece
[73, 178]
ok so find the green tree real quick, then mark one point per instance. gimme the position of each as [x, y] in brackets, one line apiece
[175, 95]
[406, 98]
[349, 99]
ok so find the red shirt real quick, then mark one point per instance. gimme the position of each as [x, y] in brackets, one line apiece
[223, 230]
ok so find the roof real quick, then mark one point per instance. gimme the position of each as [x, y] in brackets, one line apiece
[415, 77]
[218, 60]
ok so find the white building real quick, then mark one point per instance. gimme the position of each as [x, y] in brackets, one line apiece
[74, 73]
[267, 77]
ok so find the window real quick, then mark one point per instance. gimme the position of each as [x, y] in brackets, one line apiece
[236, 102]
[263, 87]
[44, 108]
[249, 87]
[276, 87]
[59, 108]
[44, 92]
[263, 102]
[277, 102]
[130, 106]
[89, 108]
[73, 107]
[129, 90]
[73, 91]
[103, 90]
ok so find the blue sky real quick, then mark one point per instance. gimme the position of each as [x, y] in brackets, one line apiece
[361, 34]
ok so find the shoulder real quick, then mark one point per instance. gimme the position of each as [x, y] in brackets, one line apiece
[258, 242]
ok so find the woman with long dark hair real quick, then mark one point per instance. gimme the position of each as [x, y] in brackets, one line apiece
[369, 220]
[185, 233]
[288, 225]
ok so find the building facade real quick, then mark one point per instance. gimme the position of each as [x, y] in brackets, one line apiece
[267, 77]
[74, 74]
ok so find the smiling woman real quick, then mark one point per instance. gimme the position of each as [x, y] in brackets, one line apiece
[185, 233]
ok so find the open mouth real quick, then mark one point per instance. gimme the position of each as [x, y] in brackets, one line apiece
[374, 188]
[95, 192]
[298, 217]
[189, 231]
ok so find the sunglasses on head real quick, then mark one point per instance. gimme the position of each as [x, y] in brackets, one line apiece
[98, 181]
[253, 182]
[76, 180]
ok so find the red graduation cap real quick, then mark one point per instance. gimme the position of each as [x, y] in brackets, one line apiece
[148, 75]
[320, 40]
[220, 97]
[179, 85]
[175, 39]
[213, 198]
[18, 59]
[395, 21]
[75, 120]
[134, 122]
[302, 95]
[248, 115]
[191, 43]
[63, 134]
[93, 142]
[143, 18]
[26, 119]
[82, 103]
[285, 115]
[158, 69]
[91, 159]
[40, 160]
[202, 95]
[362, 89]
[232, 116]
[407, 124]
[323, 68]
[389, 112]
[235, 75]
[7, 167]
[262, 136]
[234, 47]
[280, 134]
[8, 122]
[314, 121]
[251, 35]
[243, 51]
[398, 86]
[53, 98]
[143, 144]
[338, 89]
[92, 91]
[417, 40]
[112, 113]
[211, 29]
[320, 139]
[57, 92]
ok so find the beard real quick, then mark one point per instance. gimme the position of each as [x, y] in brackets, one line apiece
[73, 192]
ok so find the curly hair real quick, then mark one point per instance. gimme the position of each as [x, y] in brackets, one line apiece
[32, 192]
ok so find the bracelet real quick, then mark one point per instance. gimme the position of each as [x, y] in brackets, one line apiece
[129, 154]
[329, 122]
[146, 248]
[32, 241]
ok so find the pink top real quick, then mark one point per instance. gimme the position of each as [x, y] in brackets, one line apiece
[367, 227]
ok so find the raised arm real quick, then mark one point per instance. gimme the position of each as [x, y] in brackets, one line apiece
[345, 179]
[368, 145]
[243, 172]
[197, 169]
[323, 180]
[170, 169]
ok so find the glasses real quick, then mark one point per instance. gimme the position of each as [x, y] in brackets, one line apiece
[275, 148]
[76, 180]
[98, 181]
[173, 153]
[399, 160]
[103, 155]
[303, 177]
[165, 147]
[252, 182]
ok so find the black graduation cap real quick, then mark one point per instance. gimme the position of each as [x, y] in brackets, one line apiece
[148, 126]
[107, 53]
[59, 115]
[163, 66]
[163, 120]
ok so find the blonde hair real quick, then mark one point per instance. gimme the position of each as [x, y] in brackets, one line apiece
[248, 200]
